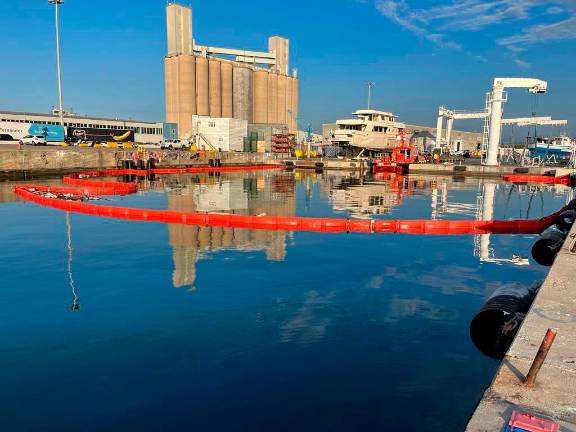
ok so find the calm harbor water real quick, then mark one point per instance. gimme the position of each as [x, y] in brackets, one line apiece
[110, 324]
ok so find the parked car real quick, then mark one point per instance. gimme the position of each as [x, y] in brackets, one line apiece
[175, 144]
[33, 140]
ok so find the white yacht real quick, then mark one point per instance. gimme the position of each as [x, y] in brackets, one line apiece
[369, 130]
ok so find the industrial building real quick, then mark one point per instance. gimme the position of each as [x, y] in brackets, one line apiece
[461, 140]
[226, 134]
[19, 124]
[226, 83]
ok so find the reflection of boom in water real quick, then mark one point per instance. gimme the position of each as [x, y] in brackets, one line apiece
[75, 302]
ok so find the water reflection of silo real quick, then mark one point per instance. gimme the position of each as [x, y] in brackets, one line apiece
[234, 193]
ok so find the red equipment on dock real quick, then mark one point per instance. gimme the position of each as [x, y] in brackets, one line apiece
[525, 422]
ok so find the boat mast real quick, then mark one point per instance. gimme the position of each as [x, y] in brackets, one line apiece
[370, 87]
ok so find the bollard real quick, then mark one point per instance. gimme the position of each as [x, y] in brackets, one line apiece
[540, 357]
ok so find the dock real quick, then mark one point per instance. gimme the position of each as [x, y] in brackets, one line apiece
[486, 171]
[554, 394]
[327, 164]
[54, 161]
[449, 169]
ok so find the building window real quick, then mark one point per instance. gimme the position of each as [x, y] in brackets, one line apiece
[211, 124]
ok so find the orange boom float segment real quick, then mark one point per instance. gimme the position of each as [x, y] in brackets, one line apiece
[86, 187]
[516, 178]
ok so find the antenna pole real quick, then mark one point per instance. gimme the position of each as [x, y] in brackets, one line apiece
[370, 86]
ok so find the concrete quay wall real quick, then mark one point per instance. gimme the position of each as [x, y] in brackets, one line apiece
[554, 393]
[15, 163]
[41, 162]
[327, 164]
[483, 171]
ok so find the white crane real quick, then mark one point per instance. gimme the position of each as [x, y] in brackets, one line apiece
[493, 115]
[452, 115]
[497, 98]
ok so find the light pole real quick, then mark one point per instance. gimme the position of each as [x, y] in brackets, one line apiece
[61, 112]
[370, 87]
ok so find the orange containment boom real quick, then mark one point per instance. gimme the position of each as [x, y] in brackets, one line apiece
[55, 197]
[516, 178]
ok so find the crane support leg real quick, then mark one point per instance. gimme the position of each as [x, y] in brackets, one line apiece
[439, 127]
[495, 126]
[449, 125]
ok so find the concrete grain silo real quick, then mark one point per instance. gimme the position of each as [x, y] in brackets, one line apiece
[223, 82]
[171, 73]
[187, 93]
[226, 77]
[295, 97]
[215, 86]
[242, 90]
[260, 114]
[272, 98]
[202, 91]
[290, 114]
[282, 81]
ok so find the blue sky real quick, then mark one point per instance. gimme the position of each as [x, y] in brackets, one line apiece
[420, 53]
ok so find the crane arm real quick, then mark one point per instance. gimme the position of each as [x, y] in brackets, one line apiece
[545, 123]
[522, 120]
[532, 84]
[470, 115]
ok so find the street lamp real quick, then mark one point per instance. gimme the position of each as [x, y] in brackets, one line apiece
[56, 3]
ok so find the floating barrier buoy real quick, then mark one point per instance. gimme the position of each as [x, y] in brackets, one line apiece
[87, 186]
[546, 248]
[566, 220]
[518, 178]
[494, 328]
